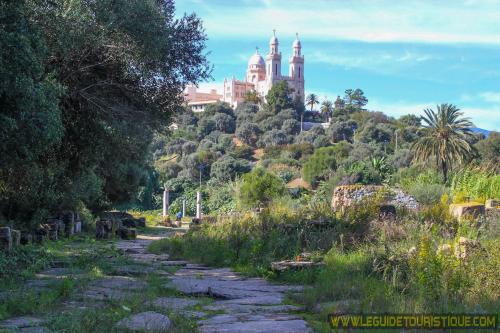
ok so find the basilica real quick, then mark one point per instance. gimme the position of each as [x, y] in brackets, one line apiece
[262, 74]
[260, 77]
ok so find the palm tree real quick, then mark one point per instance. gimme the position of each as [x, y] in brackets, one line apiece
[312, 100]
[445, 137]
[327, 108]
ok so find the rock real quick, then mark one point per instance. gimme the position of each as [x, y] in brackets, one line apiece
[412, 252]
[464, 247]
[38, 329]
[127, 233]
[103, 229]
[492, 204]
[145, 322]
[469, 209]
[281, 266]
[5, 239]
[174, 303]
[387, 211]
[347, 195]
[444, 249]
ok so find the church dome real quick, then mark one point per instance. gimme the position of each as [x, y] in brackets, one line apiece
[256, 60]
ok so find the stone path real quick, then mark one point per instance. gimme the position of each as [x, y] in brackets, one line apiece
[239, 304]
[244, 304]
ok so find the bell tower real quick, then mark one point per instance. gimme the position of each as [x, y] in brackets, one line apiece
[273, 62]
[297, 68]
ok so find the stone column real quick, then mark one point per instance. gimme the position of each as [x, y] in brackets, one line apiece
[183, 208]
[5, 239]
[198, 205]
[166, 197]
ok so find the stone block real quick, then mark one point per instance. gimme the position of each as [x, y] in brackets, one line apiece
[16, 237]
[78, 227]
[127, 233]
[469, 209]
[492, 204]
[69, 221]
[5, 239]
[103, 229]
[26, 238]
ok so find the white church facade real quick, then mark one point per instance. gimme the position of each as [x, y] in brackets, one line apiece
[261, 76]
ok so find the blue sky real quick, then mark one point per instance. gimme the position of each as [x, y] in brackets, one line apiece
[406, 55]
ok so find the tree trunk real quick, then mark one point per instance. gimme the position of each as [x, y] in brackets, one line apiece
[444, 168]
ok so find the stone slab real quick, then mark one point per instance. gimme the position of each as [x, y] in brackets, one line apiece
[174, 303]
[145, 322]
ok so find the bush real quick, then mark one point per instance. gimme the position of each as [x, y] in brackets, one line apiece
[427, 193]
[476, 183]
[260, 187]
[227, 168]
[320, 165]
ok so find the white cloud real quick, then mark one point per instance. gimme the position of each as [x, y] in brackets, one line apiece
[373, 21]
[490, 96]
[486, 117]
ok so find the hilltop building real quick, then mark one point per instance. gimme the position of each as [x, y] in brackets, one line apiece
[261, 75]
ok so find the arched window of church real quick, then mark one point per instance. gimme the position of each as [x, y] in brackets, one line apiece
[299, 72]
[276, 69]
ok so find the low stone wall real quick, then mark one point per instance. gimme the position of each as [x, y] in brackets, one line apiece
[346, 195]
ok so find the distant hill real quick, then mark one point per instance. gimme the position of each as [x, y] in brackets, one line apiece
[480, 130]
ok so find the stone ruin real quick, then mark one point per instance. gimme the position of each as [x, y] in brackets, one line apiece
[64, 224]
[119, 224]
[347, 195]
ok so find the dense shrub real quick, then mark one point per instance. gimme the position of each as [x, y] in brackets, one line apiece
[227, 168]
[260, 187]
[320, 165]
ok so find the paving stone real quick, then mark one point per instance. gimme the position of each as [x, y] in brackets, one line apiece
[145, 322]
[57, 273]
[134, 270]
[193, 314]
[119, 282]
[260, 300]
[174, 303]
[39, 329]
[251, 323]
[247, 308]
[21, 322]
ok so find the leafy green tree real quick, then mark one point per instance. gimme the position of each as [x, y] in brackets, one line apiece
[248, 133]
[410, 120]
[224, 123]
[259, 188]
[278, 98]
[227, 168]
[219, 107]
[205, 127]
[445, 135]
[253, 97]
[275, 138]
[341, 131]
[489, 148]
[320, 165]
[355, 98]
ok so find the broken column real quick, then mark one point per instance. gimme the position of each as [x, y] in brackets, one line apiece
[198, 205]
[5, 239]
[166, 198]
